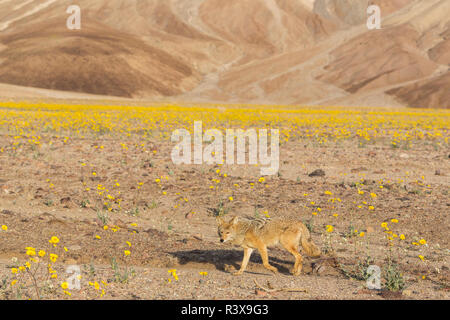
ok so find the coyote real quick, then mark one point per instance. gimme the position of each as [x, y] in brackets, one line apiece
[254, 233]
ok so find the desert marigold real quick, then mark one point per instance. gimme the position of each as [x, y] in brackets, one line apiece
[31, 251]
[54, 240]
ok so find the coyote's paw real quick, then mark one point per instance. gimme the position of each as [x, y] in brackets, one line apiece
[296, 272]
[273, 269]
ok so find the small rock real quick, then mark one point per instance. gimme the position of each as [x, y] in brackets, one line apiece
[65, 201]
[391, 295]
[370, 230]
[404, 156]
[120, 223]
[317, 173]
[407, 292]
[437, 172]
[198, 236]
[320, 269]
[70, 261]
[360, 169]
[363, 291]
[260, 293]
[8, 212]
[229, 268]
[189, 215]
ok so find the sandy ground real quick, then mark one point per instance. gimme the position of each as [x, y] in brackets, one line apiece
[166, 215]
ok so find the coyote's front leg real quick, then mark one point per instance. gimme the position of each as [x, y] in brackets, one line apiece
[265, 258]
[247, 254]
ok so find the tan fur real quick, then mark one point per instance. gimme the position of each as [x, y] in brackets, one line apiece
[250, 234]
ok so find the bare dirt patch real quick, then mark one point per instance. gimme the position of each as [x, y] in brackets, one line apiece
[165, 214]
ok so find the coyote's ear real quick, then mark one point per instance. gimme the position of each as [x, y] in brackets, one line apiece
[219, 220]
[234, 220]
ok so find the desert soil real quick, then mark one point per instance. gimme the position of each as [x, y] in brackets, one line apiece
[167, 215]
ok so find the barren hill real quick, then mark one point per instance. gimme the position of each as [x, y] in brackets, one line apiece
[259, 51]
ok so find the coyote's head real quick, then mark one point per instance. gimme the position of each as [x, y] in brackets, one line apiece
[226, 230]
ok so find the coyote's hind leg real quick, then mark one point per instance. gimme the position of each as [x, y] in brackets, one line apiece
[291, 244]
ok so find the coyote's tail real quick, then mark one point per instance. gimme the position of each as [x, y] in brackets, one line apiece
[310, 248]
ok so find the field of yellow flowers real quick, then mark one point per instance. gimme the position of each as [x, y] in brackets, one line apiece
[92, 207]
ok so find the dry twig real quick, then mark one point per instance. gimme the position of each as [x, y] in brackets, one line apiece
[269, 290]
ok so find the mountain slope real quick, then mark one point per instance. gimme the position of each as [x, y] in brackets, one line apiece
[262, 51]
